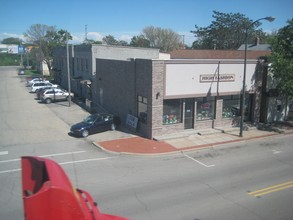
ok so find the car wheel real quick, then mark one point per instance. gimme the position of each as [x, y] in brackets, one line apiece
[113, 127]
[48, 101]
[85, 133]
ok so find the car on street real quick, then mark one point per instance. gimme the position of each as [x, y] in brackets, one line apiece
[38, 85]
[34, 80]
[42, 90]
[21, 72]
[95, 123]
[54, 94]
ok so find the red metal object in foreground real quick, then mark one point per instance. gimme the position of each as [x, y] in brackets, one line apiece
[49, 195]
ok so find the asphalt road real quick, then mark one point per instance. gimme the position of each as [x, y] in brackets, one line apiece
[247, 180]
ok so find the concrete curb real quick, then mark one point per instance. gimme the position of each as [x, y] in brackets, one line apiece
[198, 147]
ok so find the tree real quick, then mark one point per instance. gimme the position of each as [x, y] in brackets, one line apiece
[109, 40]
[164, 39]
[122, 43]
[12, 40]
[282, 59]
[54, 39]
[37, 33]
[46, 38]
[227, 31]
[139, 41]
[91, 41]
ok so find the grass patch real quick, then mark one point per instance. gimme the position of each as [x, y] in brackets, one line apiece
[9, 59]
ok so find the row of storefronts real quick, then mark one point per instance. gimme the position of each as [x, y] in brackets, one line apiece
[166, 95]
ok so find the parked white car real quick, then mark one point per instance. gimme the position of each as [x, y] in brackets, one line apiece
[53, 95]
[38, 85]
[31, 82]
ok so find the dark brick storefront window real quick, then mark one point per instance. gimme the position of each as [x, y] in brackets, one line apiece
[172, 111]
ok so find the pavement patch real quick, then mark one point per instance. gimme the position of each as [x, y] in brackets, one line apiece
[136, 145]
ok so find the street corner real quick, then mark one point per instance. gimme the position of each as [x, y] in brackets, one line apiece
[136, 145]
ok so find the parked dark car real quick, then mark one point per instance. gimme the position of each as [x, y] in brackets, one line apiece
[95, 123]
[21, 72]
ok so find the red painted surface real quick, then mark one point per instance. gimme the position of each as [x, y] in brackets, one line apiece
[49, 195]
[137, 145]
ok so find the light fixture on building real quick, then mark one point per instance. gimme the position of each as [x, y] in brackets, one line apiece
[158, 95]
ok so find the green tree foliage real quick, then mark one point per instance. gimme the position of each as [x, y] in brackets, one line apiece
[109, 40]
[227, 31]
[46, 38]
[164, 39]
[91, 41]
[122, 43]
[282, 58]
[11, 40]
[7, 59]
[139, 41]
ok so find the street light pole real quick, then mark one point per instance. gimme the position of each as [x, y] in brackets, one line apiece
[68, 71]
[242, 101]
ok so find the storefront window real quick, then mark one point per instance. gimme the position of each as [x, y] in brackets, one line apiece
[205, 108]
[172, 111]
[231, 106]
[142, 108]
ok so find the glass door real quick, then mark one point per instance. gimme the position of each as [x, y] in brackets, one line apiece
[189, 114]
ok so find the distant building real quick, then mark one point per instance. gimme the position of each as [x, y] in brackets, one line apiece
[11, 49]
[83, 66]
[256, 46]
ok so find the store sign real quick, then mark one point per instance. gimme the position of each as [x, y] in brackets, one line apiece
[205, 105]
[215, 78]
[131, 122]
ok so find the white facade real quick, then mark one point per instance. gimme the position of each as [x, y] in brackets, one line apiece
[198, 79]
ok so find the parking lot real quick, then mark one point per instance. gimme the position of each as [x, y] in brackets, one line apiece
[29, 127]
[73, 113]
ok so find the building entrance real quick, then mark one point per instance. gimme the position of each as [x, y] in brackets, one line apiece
[189, 114]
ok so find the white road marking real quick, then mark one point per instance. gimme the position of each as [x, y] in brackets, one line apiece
[201, 163]
[49, 155]
[276, 151]
[10, 171]
[3, 153]
[65, 163]
[86, 160]
[61, 154]
[12, 160]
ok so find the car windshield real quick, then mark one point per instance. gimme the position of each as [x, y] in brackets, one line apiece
[90, 119]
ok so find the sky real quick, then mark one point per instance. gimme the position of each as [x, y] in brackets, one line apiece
[124, 19]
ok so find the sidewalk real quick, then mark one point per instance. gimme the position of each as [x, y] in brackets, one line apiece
[184, 141]
[124, 142]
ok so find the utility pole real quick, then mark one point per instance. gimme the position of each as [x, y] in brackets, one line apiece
[68, 71]
[85, 40]
[183, 40]
[242, 100]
